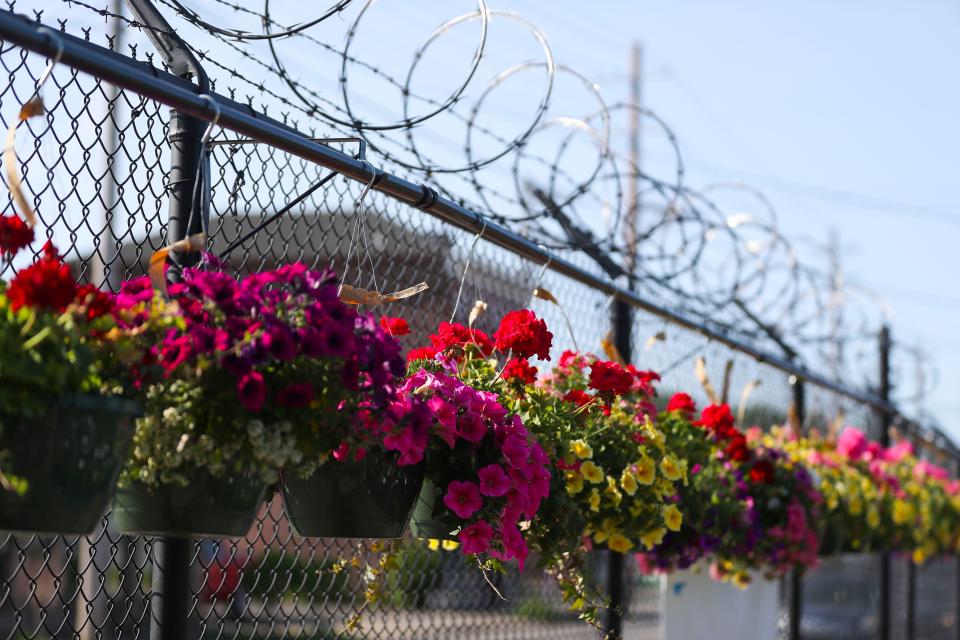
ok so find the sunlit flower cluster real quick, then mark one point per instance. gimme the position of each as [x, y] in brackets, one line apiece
[248, 377]
[878, 497]
[750, 509]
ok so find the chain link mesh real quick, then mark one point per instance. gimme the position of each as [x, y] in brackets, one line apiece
[96, 165]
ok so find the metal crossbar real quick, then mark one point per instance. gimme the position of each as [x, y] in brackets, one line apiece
[275, 197]
[185, 97]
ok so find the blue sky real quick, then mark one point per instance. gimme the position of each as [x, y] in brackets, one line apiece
[843, 112]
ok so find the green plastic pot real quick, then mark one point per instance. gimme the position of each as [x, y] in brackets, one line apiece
[372, 498]
[208, 507]
[431, 518]
[69, 459]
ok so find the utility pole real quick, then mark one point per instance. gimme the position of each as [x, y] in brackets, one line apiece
[885, 390]
[622, 320]
[631, 223]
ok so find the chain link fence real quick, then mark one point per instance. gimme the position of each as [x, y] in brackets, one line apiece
[97, 165]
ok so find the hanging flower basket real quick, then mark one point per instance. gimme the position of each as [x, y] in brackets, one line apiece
[245, 378]
[65, 464]
[65, 429]
[372, 498]
[207, 507]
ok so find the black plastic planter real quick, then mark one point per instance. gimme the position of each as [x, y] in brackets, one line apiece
[372, 498]
[208, 507]
[431, 518]
[69, 459]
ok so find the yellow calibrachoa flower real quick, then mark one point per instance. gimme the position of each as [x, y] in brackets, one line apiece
[594, 500]
[652, 538]
[741, 580]
[619, 543]
[574, 482]
[653, 434]
[449, 545]
[672, 517]
[615, 496]
[903, 511]
[856, 505]
[873, 517]
[591, 472]
[645, 471]
[581, 449]
[433, 544]
[670, 468]
[628, 481]
[607, 528]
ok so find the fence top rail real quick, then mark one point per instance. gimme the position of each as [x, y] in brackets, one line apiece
[182, 95]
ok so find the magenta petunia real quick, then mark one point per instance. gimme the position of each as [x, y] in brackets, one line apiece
[493, 481]
[463, 498]
[252, 391]
[516, 451]
[470, 427]
[476, 537]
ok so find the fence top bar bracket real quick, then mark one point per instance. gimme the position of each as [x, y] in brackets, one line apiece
[184, 96]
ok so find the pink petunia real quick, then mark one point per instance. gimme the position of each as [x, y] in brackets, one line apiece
[463, 498]
[252, 391]
[476, 537]
[470, 427]
[852, 443]
[493, 481]
[516, 451]
[514, 545]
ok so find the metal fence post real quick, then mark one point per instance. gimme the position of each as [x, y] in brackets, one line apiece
[170, 598]
[885, 420]
[622, 320]
[796, 576]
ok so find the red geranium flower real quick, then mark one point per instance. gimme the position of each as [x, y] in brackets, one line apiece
[520, 369]
[46, 284]
[683, 403]
[14, 234]
[523, 334]
[394, 326]
[719, 420]
[421, 353]
[570, 359]
[94, 302]
[737, 449]
[578, 397]
[609, 377]
[451, 334]
[762, 472]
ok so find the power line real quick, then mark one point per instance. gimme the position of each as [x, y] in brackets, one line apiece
[840, 196]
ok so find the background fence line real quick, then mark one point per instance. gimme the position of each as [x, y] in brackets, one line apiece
[81, 605]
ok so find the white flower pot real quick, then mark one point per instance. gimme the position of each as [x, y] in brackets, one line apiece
[695, 607]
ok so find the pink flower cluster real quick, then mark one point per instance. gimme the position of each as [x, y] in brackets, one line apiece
[278, 340]
[494, 472]
[799, 540]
